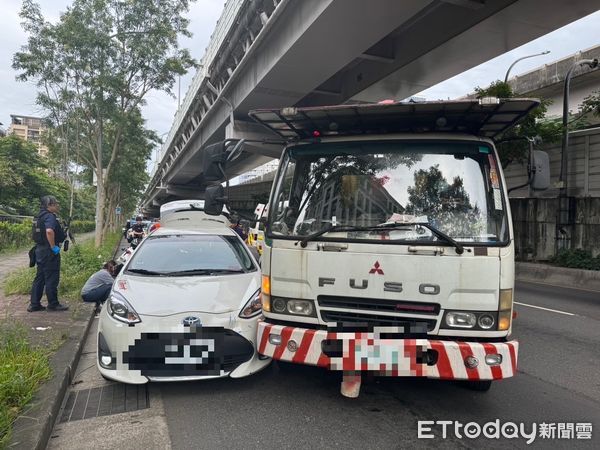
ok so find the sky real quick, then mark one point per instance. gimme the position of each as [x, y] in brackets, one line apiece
[19, 98]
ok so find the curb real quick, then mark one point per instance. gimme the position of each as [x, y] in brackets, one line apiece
[558, 276]
[33, 430]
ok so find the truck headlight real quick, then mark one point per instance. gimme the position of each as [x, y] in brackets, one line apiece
[456, 319]
[296, 307]
[472, 320]
[279, 305]
[300, 307]
[486, 321]
[253, 307]
[119, 308]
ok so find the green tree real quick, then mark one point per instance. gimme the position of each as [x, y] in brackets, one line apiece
[591, 104]
[95, 67]
[129, 177]
[516, 146]
[24, 177]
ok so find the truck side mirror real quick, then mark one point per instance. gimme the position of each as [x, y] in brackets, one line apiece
[214, 200]
[540, 171]
[216, 156]
[213, 159]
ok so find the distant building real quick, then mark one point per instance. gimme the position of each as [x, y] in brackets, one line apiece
[29, 128]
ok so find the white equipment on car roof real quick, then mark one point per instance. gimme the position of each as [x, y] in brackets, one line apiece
[190, 213]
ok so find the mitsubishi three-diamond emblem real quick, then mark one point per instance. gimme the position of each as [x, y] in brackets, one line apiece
[376, 269]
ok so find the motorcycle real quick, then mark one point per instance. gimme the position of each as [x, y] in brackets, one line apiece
[134, 241]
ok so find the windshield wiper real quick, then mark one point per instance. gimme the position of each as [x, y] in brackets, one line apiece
[223, 271]
[440, 234]
[310, 237]
[145, 272]
[190, 272]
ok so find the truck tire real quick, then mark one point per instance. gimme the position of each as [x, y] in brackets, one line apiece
[480, 386]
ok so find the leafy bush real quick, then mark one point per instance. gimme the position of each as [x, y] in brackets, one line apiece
[14, 235]
[81, 261]
[577, 259]
[18, 235]
[82, 226]
[22, 369]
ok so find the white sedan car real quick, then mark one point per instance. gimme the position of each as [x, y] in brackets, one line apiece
[184, 307]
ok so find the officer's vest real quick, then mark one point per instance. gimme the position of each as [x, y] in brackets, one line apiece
[38, 232]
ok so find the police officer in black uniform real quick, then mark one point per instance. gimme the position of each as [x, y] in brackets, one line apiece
[48, 236]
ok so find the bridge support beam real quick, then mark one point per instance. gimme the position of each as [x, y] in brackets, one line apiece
[256, 132]
[191, 192]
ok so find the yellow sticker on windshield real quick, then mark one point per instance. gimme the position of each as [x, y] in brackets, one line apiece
[493, 173]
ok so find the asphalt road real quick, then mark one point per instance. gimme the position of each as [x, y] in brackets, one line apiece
[289, 406]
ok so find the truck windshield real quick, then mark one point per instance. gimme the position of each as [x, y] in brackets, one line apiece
[390, 191]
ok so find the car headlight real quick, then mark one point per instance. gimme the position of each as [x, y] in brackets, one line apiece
[253, 307]
[119, 308]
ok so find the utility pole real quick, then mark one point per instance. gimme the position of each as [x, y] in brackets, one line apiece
[564, 220]
[521, 59]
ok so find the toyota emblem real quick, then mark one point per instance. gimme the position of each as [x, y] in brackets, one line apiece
[190, 320]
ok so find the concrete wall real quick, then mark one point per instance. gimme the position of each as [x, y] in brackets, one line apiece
[535, 213]
[534, 221]
[584, 167]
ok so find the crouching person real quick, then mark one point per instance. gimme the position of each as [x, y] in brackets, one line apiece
[98, 286]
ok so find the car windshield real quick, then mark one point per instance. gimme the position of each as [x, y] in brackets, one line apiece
[191, 255]
[390, 191]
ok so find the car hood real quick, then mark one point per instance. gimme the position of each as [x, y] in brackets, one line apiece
[163, 296]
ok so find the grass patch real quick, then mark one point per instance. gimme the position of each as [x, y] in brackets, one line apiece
[22, 369]
[81, 261]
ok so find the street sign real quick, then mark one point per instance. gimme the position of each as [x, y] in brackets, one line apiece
[118, 210]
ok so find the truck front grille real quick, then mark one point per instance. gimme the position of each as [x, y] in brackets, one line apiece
[359, 320]
[376, 304]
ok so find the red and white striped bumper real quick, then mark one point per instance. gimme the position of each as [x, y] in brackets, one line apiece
[391, 357]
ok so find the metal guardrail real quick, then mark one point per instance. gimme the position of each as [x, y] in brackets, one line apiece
[241, 27]
[14, 218]
[224, 24]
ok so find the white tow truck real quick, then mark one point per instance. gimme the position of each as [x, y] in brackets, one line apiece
[390, 246]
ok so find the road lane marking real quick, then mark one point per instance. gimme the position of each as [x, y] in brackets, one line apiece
[562, 286]
[547, 309]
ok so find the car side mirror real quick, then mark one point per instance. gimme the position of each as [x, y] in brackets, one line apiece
[214, 200]
[540, 170]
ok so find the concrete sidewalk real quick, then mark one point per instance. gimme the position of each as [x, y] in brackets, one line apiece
[558, 276]
[65, 331]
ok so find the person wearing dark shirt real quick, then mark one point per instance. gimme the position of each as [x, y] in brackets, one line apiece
[48, 236]
[98, 286]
